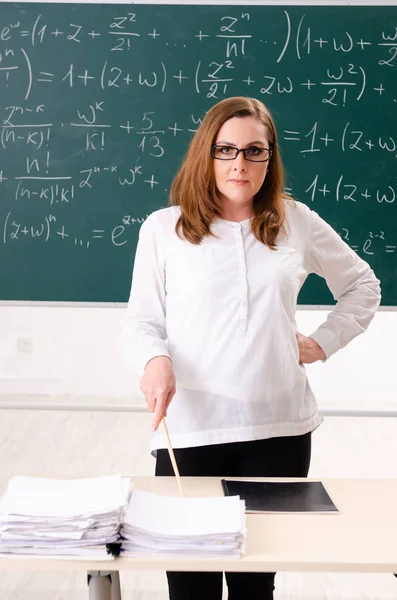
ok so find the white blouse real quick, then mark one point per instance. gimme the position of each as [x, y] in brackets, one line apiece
[224, 312]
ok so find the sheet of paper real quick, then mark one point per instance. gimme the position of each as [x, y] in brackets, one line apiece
[36, 496]
[183, 516]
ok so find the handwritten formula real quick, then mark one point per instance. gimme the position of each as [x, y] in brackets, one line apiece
[98, 104]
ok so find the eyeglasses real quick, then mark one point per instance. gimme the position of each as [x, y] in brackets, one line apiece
[253, 153]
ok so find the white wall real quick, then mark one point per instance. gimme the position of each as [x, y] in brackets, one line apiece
[75, 351]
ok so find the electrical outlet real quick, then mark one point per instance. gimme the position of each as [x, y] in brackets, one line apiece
[25, 344]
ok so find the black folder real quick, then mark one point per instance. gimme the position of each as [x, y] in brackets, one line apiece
[281, 496]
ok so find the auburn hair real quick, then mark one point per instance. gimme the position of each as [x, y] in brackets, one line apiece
[194, 188]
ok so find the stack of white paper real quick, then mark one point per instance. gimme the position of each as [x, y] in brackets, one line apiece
[199, 526]
[53, 517]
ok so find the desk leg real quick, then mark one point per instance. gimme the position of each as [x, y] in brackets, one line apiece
[104, 585]
[116, 589]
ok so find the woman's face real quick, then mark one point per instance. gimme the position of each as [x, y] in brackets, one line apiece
[238, 180]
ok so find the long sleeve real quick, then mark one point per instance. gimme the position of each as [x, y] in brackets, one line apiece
[351, 281]
[143, 327]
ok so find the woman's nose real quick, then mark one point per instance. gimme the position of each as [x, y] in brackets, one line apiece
[239, 162]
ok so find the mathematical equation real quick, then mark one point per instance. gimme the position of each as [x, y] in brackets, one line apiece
[346, 136]
[49, 227]
[151, 140]
[96, 131]
[372, 244]
[299, 34]
[342, 189]
[234, 36]
[347, 82]
[98, 107]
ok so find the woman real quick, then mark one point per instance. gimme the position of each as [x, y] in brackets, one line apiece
[211, 324]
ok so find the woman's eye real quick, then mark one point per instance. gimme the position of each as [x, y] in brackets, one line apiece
[255, 151]
[225, 149]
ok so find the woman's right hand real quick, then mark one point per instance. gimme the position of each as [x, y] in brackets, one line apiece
[158, 387]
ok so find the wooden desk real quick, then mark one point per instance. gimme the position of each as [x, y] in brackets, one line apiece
[362, 537]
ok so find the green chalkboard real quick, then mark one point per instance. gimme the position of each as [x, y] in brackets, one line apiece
[98, 103]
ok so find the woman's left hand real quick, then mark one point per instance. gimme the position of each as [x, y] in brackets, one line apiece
[309, 350]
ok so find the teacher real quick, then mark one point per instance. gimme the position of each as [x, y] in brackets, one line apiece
[210, 324]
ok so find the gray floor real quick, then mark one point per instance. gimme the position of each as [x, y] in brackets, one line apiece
[67, 444]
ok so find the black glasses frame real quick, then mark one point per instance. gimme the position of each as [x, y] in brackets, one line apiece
[238, 150]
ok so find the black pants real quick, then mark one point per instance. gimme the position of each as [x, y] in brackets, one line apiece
[274, 457]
